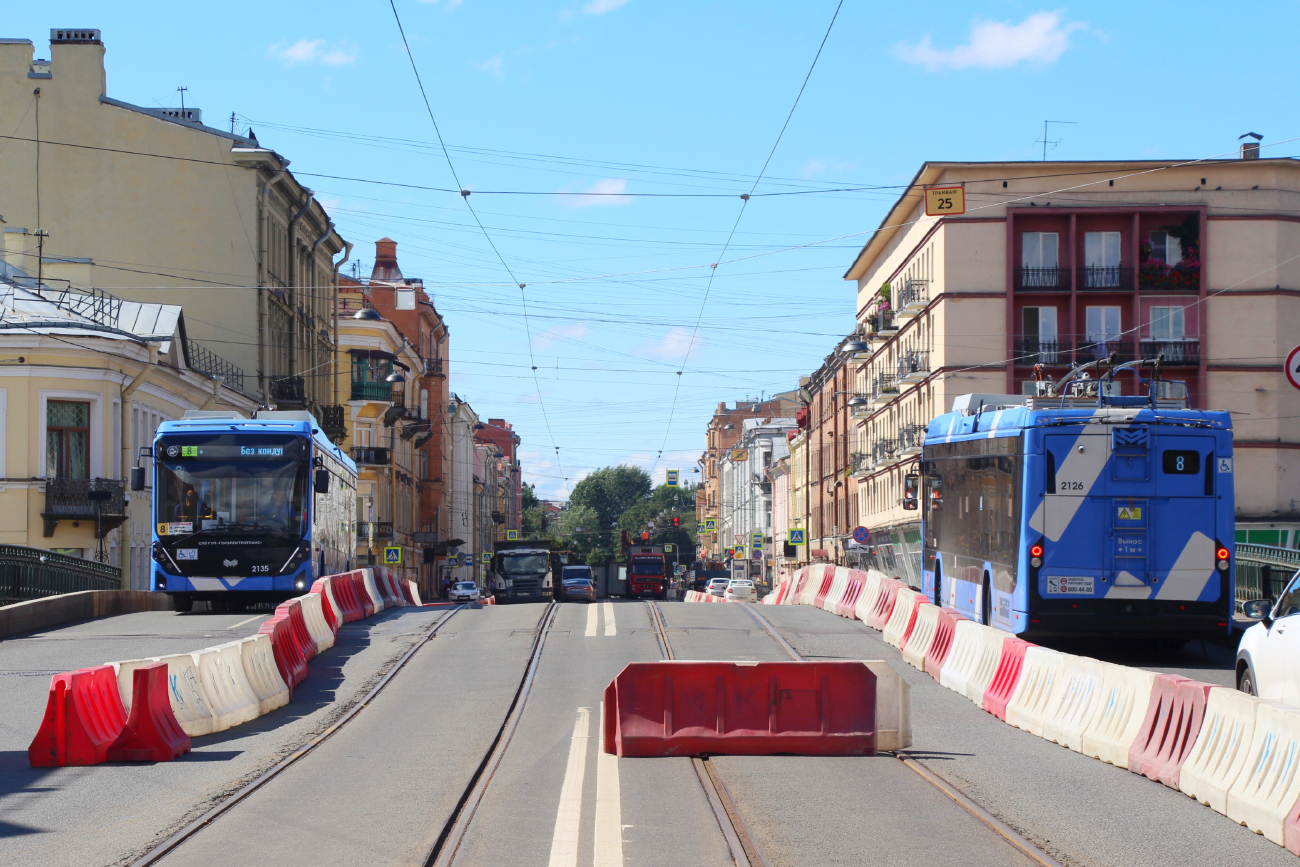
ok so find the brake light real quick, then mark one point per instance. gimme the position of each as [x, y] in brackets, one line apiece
[1221, 558]
[1222, 553]
[1037, 551]
[1036, 556]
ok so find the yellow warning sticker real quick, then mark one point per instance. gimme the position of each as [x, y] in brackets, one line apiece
[1130, 513]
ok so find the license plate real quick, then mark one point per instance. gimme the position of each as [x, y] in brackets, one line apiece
[1071, 585]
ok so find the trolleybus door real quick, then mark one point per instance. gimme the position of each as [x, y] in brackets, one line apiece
[1185, 505]
[1073, 514]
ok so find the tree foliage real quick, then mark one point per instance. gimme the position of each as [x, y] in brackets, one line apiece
[614, 499]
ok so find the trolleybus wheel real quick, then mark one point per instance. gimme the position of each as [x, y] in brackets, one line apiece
[182, 603]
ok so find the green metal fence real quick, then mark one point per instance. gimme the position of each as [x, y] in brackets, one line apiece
[1263, 571]
[32, 573]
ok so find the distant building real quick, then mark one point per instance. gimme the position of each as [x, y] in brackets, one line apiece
[507, 481]
[745, 491]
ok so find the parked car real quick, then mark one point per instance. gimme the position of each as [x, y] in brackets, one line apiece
[1268, 652]
[578, 572]
[717, 586]
[463, 591]
[577, 589]
[740, 590]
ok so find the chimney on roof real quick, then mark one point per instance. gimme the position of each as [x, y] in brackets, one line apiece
[1250, 149]
[386, 261]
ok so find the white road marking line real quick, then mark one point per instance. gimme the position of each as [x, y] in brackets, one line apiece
[611, 627]
[249, 620]
[609, 808]
[592, 612]
[568, 818]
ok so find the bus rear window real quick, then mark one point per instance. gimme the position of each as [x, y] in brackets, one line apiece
[1182, 462]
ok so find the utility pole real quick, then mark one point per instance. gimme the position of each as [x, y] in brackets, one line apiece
[41, 235]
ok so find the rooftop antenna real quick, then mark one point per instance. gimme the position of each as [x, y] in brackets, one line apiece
[182, 90]
[1044, 141]
[232, 123]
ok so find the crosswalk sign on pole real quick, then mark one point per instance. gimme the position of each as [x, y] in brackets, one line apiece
[710, 523]
[795, 537]
[485, 557]
[512, 535]
[392, 556]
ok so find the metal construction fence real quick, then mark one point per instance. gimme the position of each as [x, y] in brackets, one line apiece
[33, 573]
[1263, 571]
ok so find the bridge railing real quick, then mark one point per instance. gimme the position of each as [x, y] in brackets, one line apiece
[34, 573]
[1263, 571]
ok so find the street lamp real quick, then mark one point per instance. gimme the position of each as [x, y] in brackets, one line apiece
[853, 346]
[368, 314]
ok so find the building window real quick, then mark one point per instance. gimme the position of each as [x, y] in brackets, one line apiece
[1166, 248]
[67, 439]
[1167, 323]
[1039, 255]
[1101, 258]
[1039, 334]
[1103, 329]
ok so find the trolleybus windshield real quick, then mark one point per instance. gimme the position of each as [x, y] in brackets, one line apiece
[232, 484]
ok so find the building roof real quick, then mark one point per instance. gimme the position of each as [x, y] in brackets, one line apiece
[57, 310]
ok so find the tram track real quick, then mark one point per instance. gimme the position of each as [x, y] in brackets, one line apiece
[994, 824]
[169, 845]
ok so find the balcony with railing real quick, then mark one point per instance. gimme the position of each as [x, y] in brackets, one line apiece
[910, 438]
[372, 456]
[1113, 278]
[374, 530]
[913, 365]
[1156, 276]
[379, 391]
[884, 389]
[1187, 351]
[1042, 279]
[880, 325]
[884, 452]
[862, 408]
[913, 295]
[85, 500]
[289, 391]
[333, 422]
[433, 367]
[1033, 350]
[1091, 347]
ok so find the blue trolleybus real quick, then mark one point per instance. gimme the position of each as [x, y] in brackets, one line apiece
[1087, 514]
[248, 510]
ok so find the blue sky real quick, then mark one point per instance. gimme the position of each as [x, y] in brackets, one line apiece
[633, 97]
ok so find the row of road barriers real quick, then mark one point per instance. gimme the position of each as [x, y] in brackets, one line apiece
[1235, 753]
[149, 709]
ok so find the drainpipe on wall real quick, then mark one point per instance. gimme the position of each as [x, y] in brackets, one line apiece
[293, 280]
[329, 230]
[216, 393]
[334, 313]
[263, 276]
[124, 408]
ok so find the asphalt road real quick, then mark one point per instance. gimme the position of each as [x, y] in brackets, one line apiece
[379, 791]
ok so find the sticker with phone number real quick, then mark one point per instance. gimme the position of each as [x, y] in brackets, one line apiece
[1071, 585]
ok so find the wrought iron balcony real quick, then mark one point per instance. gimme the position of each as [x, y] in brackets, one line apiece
[374, 530]
[1090, 347]
[1042, 279]
[914, 294]
[1117, 278]
[914, 365]
[910, 438]
[380, 391]
[332, 421]
[1156, 276]
[885, 387]
[84, 500]
[433, 367]
[1174, 351]
[289, 390]
[200, 358]
[372, 456]
[1031, 350]
[880, 323]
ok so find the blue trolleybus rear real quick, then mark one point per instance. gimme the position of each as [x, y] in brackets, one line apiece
[1080, 516]
[248, 510]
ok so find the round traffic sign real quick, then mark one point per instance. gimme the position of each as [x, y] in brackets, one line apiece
[1292, 367]
[861, 535]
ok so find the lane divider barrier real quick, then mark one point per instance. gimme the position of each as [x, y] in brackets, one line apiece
[149, 709]
[902, 618]
[1011, 663]
[923, 632]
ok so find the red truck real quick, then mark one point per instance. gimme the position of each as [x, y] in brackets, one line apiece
[647, 571]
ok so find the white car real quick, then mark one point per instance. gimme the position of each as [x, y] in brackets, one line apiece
[716, 586]
[463, 591]
[1268, 657]
[740, 590]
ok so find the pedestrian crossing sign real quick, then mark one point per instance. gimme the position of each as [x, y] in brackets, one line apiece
[392, 556]
[512, 535]
[711, 523]
[485, 557]
[795, 537]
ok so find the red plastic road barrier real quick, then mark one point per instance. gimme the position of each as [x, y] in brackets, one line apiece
[911, 624]
[83, 717]
[152, 733]
[395, 584]
[801, 578]
[1003, 685]
[407, 593]
[1172, 724]
[284, 647]
[943, 636]
[828, 578]
[678, 708]
[342, 592]
[332, 618]
[886, 596]
[292, 611]
[857, 580]
[387, 590]
[362, 595]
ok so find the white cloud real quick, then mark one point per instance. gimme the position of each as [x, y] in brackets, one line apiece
[312, 51]
[492, 65]
[548, 338]
[816, 166]
[1040, 39]
[600, 7]
[674, 345]
[607, 191]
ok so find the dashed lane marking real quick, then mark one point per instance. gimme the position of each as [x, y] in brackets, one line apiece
[593, 612]
[611, 628]
[568, 818]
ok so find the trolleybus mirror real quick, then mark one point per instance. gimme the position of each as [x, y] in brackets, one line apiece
[321, 481]
[911, 484]
[137, 478]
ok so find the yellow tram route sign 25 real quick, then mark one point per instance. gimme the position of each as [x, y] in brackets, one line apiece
[945, 201]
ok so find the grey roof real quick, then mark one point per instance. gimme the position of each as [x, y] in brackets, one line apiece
[25, 309]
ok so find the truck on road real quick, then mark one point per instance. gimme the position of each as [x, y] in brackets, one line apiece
[525, 571]
[647, 571]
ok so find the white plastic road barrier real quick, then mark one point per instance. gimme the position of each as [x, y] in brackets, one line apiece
[1221, 749]
[893, 707]
[326, 589]
[1080, 694]
[963, 657]
[987, 657]
[221, 671]
[839, 583]
[314, 616]
[1125, 694]
[258, 657]
[918, 643]
[1038, 690]
[190, 702]
[415, 592]
[896, 625]
[1268, 787]
[125, 673]
[812, 585]
[867, 598]
[399, 599]
[368, 577]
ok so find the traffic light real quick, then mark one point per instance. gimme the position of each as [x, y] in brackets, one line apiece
[677, 522]
[627, 540]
